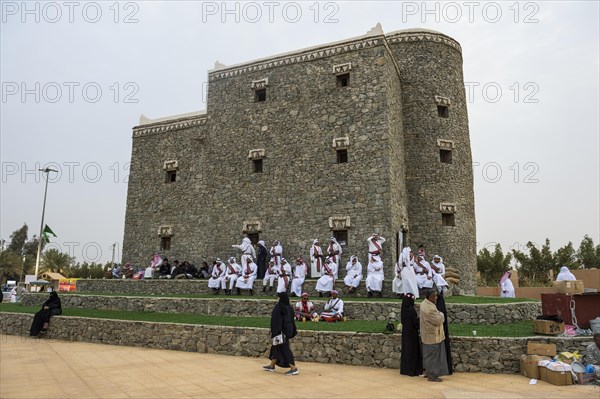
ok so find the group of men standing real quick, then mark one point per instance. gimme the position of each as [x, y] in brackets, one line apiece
[410, 273]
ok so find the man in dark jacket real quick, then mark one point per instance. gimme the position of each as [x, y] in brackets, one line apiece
[261, 260]
[165, 269]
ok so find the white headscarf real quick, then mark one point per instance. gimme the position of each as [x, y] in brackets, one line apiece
[565, 275]
[261, 242]
[405, 256]
[351, 259]
[441, 262]
[315, 241]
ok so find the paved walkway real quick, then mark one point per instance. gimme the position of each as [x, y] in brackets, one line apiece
[38, 368]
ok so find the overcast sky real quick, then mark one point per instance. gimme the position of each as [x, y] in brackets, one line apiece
[77, 76]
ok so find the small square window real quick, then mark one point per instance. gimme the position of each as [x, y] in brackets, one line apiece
[342, 156]
[446, 156]
[165, 243]
[343, 80]
[341, 236]
[447, 219]
[260, 95]
[171, 176]
[257, 165]
[442, 111]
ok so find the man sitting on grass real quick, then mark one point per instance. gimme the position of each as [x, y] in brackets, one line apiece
[305, 309]
[334, 308]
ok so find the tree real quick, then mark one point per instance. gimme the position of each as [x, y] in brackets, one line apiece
[566, 256]
[55, 261]
[535, 267]
[492, 266]
[17, 240]
[588, 254]
[10, 265]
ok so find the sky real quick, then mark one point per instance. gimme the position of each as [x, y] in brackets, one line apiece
[76, 76]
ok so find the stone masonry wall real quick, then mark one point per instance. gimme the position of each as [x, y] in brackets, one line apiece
[301, 186]
[219, 306]
[392, 181]
[430, 68]
[488, 355]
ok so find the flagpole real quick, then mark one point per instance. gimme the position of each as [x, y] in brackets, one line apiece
[39, 251]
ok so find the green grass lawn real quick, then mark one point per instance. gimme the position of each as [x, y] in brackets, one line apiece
[450, 299]
[503, 330]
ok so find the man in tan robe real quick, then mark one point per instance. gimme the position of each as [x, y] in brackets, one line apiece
[432, 336]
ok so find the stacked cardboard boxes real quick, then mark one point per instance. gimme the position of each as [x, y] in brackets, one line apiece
[537, 352]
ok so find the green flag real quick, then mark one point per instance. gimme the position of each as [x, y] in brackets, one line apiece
[46, 232]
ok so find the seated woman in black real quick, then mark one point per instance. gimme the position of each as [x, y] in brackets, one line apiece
[41, 319]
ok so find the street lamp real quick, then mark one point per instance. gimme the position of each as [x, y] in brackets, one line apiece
[39, 251]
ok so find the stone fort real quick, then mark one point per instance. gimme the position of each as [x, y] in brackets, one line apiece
[364, 135]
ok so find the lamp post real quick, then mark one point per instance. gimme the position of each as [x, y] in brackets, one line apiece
[112, 259]
[39, 251]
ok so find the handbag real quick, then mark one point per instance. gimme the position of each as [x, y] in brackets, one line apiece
[278, 339]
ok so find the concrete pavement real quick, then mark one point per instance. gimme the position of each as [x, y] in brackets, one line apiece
[39, 368]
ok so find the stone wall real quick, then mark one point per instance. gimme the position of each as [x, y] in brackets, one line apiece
[430, 68]
[488, 355]
[219, 306]
[158, 286]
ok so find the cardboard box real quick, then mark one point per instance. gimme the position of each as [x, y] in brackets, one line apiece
[569, 287]
[585, 378]
[529, 365]
[548, 327]
[556, 377]
[538, 348]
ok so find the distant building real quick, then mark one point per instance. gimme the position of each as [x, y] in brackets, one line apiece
[347, 138]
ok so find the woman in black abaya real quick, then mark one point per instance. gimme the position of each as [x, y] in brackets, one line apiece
[441, 306]
[41, 319]
[411, 361]
[282, 322]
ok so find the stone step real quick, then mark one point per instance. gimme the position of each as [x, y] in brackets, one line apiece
[262, 306]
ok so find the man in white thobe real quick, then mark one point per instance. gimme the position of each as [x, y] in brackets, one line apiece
[327, 280]
[247, 250]
[284, 274]
[408, 273]
[353, 274]
[424, 273]
[439, 272]
[270, 276]
[375, 245]
[397, 281]
[246, 280]
[316, 261]
[276, 252]
[374, 280]
[217, 275]
[334, 308]
[232, 272]
[298, 278]
[334, 252]
[507, 289]
[305, 309]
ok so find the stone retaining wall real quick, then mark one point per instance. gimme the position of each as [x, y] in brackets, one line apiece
[220, 306]
[164, 286]
[488, 355]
